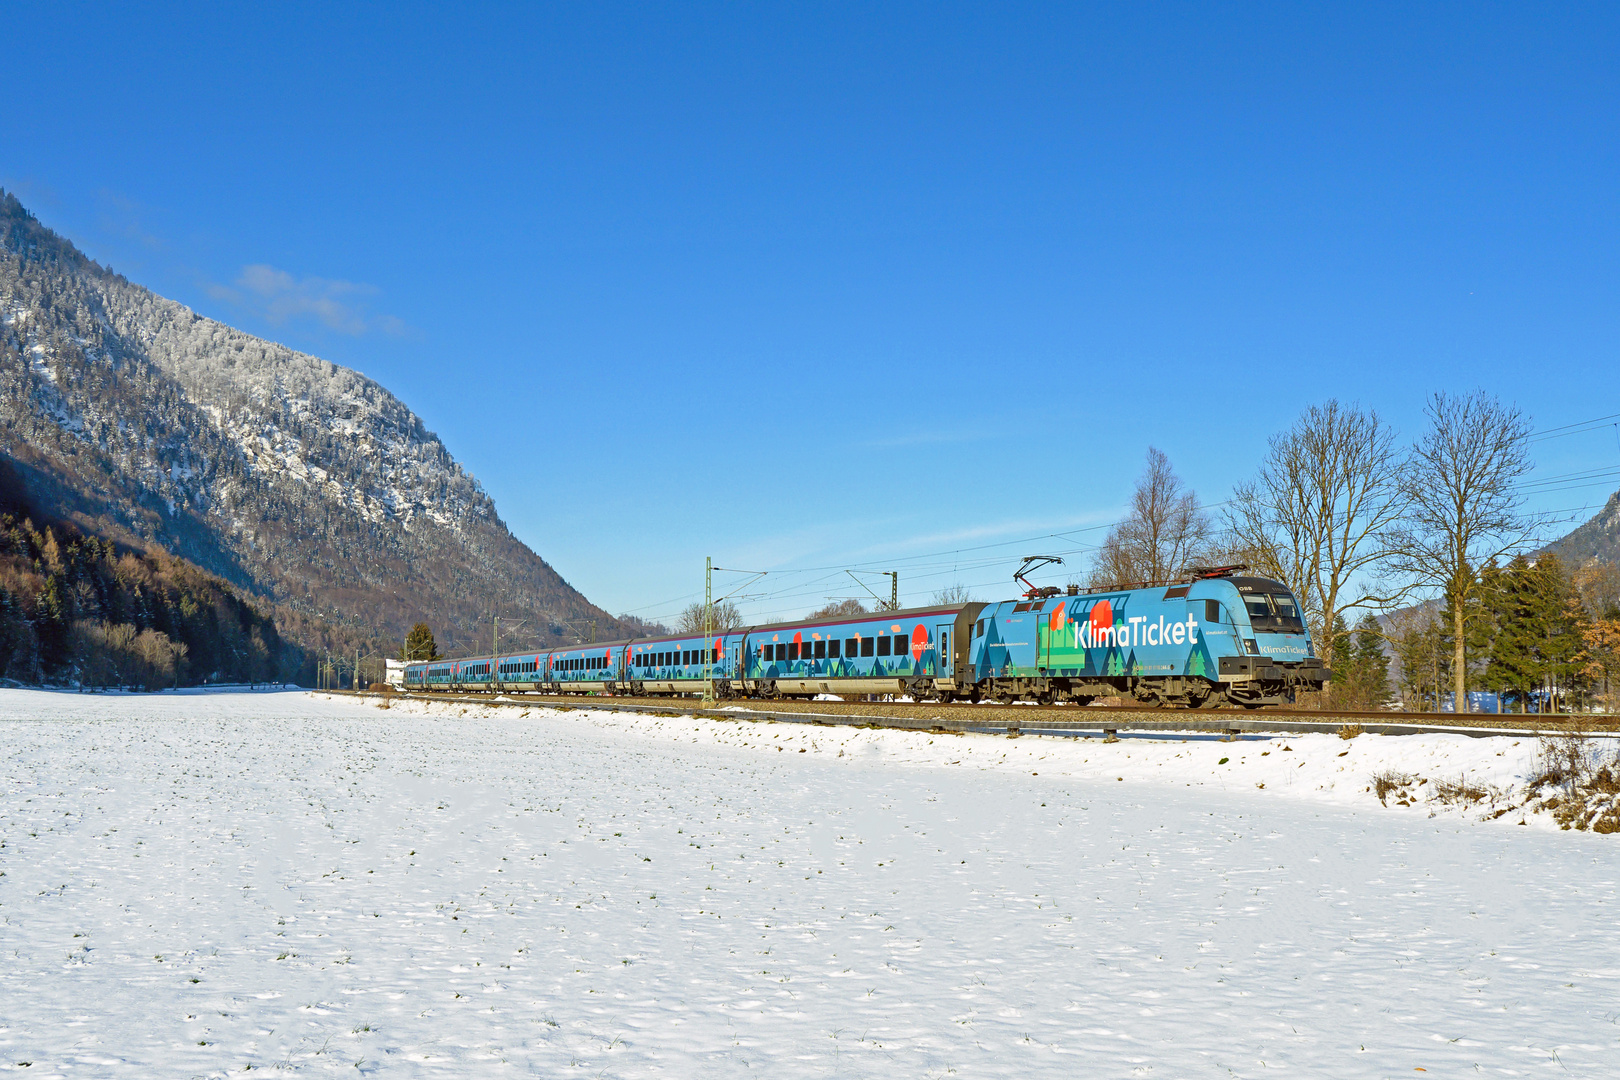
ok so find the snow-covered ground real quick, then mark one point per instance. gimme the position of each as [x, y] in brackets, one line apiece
[199, 884]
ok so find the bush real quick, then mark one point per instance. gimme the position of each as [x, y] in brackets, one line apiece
[1390, 782]
[1586, 775]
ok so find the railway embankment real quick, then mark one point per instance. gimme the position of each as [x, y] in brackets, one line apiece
[1560, 771]
[1059, 720]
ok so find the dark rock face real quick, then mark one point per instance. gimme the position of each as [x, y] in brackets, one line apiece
[298, 480]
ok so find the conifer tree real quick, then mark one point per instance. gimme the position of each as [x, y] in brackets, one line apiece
[419, 644]
[1536, 645]
[1371, 663]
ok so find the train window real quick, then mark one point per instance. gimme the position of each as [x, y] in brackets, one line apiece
[1257, 605]
[1285, 606]
[821, 650]
[866, 646]
[832, 649]
[714, 656]
[793, 650]
[1212, 611]
[980, 631]
[852, 647]
[944, 643]
[883, 645]
[688, 657]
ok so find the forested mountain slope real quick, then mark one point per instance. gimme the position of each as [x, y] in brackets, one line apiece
[1596, 541]
[303, 482]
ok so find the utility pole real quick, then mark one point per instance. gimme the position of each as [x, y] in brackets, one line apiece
[708, 632]
[894, 589]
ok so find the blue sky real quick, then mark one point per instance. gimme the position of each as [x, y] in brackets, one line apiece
[883, 286]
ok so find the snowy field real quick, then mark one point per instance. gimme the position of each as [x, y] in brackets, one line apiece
[196, 885]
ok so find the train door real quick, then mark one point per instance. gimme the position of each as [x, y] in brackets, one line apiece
[942, 650]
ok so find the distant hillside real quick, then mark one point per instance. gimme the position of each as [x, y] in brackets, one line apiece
[1596, 541]
[304, 482]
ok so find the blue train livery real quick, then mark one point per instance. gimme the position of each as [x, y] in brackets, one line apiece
[1211, 638]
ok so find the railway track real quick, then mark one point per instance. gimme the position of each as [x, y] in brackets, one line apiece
[1058, 720]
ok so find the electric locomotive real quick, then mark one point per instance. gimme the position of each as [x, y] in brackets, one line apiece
[1212, 637]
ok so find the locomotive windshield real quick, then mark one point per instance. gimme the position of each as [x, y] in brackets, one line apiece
[1270, 607]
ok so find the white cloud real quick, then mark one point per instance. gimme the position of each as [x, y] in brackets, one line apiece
[280, 297]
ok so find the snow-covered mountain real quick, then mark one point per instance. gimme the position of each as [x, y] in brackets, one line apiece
[302, 480]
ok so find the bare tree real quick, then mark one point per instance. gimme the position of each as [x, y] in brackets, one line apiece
[847, 606]
[1463, 509]
[1319, 515]
[1165, 532]
[726, 618]
[953, 594]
